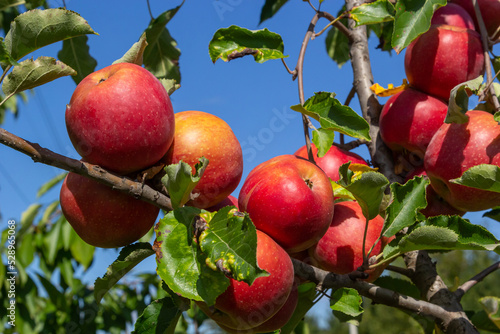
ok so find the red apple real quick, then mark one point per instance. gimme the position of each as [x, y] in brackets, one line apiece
[332, 160]
[458, 147]
[436, 205]
[490, 10]
[121, 118]
[290, 199]
[244, 306]
[409, 119]
[200, 134]
[340, 250]
[442, 58]
[228, 201]
[453, 15]
[104, 217]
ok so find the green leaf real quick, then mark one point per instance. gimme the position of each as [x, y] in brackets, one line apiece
[368, 189]
[170, 85]
[25, 249]
[181, 264]
[75, 53]
[180, 181]
[485, 177]
[323, 139]
[337, 45]
[135, 53]
[458, 104]
[384, 34]
[129, 257]
[81, 251]
[306, 300]
[161, 55]
[235, 42]
[346, 304]
[160, 316]
[402, 286]
[53, 242]
[483, 322]
[407, 200]
[50, 184]
[32, 73]
[491, 307]
[270, 8]
[37, 28]
[374, 12]
[493, 214]
[229, 242]
[66, 270]
[413, 18]
[331, 114]
[55, 296]
[5, 56]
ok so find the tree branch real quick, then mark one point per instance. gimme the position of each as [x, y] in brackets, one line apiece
[121, 183]
[476, 279]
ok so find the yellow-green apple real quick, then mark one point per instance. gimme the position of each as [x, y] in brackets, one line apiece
[290, 199]
[121, 118]
[409, 119]
[340, 250]
[200, 134]
[244, 306]
[453, 15]
[436, 205]
[228, 201]
[458, 147]
[102, 216]
[489, 12]
[332, 160]
[442, 58]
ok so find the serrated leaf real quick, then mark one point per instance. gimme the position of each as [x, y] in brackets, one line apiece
[407, 200]
[347, 305]
[231, 238]
[306, 300]
[75, 53]
[170, 85]
[402, 286]
[50, 184]
[129, 257]
[180, 262]
[161, 55]
[135, 54]
[37, 28]
[337, 45]
[373, 12]
[270, 8]
[458, 104]
[485, 177]
[413, 18]
[490, 305]
[160, 316]
[235, 42]
[331, 114]
[32, 73]
[180, 181]
[323, 139]
[368, 188]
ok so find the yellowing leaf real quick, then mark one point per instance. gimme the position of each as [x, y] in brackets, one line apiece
[390, 90]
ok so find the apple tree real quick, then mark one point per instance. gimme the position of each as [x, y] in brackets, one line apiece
[323, 223]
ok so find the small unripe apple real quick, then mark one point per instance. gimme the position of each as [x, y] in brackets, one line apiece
[442, 58]
[200, 134]
[290, 199]
[104, 217]
[453, 15]
[121, 118]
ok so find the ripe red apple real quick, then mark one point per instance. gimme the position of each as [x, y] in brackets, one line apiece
[332, 160]
[228, 201]
[200, 134]
[104, 217]
[340, 250]
[120, 118]
[409, 119]
[244, 306]
[436, 205]
[442, 58]
[489, 12]
[290, 199]
[453, 15]
[458, 147]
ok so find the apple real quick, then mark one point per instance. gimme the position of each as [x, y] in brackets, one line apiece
[228, 201]
[436, 205]
[104, 217]
[121, 118]
[409, 119]
[340, 250]
[200, 134]
[244, 306]
[453, 15]
[332, 160]
[489, 12]
[290, 199]
[458, 147]
[442, 58]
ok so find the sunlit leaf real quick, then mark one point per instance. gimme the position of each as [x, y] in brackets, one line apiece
[373, 12]
[270, 8]
[346, 304]
[458, 104]
[323, 139]
[50, 184]
[135, 54]
[484, 177]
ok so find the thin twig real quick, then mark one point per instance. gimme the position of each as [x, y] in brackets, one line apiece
[339, 25]
[462, 289]
[150, 12]
[7, 68]
[351, 145]
[288, 69]
[399, 270]
[332, 22]
[310, 4]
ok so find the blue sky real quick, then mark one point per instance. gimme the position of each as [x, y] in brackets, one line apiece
[254, 99]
